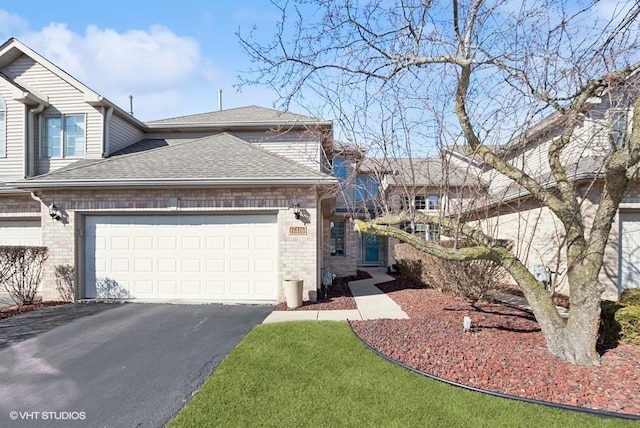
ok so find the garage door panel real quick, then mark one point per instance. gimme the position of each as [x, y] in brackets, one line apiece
[240, 288]
[141, 243]
[239, 243]
[20, 232]
[166, 243]
[215, 265]
[192, 257]
[167, 265]
[239, 265]
[629, 250]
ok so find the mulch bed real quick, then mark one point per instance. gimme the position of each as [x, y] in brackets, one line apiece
[505, 352]
[339, 296]
[9, 311]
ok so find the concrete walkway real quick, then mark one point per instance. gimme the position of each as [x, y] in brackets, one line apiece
[371, 301]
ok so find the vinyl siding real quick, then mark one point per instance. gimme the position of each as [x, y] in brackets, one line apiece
[589, 141]
[122, 134]
[63, 99]
[12, 164]
[297, 146]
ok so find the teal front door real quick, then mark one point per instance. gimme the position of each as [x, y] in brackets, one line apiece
[371, 248]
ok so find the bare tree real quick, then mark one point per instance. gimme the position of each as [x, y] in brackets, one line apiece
[488, 79]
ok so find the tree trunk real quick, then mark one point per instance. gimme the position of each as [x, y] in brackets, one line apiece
[573, 339]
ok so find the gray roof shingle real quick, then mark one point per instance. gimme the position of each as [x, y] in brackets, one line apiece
[249, 114]
[420, 172]
[214, 158]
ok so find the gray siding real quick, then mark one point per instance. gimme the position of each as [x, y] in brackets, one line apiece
[63, 99]
[299, 146]
[122, 134]
[12, 165]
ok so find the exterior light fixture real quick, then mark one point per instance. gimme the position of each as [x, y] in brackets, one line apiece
[296, 209]
[54, 212]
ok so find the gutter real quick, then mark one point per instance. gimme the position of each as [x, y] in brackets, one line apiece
[179, 182]
[177, 127]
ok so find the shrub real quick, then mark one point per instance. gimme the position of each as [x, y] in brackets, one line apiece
[22, 271]
[629, 319]
[630, 296]
[469, 279]
[64, 282]
[609, 330]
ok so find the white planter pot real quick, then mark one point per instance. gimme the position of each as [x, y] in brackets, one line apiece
[293, 292]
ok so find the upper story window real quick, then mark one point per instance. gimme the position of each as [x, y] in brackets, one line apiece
[63, 136]
[3, 128]
[423, 202]
[340, 168]
[366, 188]
[619, 127]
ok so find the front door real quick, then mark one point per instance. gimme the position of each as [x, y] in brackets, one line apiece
[371, 250]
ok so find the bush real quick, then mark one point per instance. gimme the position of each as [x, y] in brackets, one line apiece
[629, 319]
[21, 271]
[630, 296]
[469, 279]
[64, 282]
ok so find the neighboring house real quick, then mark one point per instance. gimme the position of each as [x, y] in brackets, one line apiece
[507, 211]
[456, 184]
[195, 208]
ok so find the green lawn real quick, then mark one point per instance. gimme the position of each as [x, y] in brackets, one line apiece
[318, 374]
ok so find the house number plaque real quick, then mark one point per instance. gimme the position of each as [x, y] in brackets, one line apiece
[297, 230]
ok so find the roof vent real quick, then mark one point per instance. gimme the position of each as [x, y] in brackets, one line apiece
[131, 105]
[219, 99]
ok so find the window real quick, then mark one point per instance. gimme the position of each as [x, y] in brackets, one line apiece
[433, 202]
[337, 237]
[340, 169]
[63, 136]
[3, 127]
[430, 232]
[427, 202]
[434, 232]
[619, 123]
[366, 188]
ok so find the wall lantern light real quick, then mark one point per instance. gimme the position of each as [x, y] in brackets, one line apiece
[54, 212]
[296, 209]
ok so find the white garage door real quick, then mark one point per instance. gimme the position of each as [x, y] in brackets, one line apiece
[629, 250]
[20, 232]
[217, 258]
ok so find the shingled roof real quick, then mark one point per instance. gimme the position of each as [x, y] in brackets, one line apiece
[221, 159]
[421, 172]
[250, 114]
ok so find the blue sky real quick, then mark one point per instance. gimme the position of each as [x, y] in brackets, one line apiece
[172, 56]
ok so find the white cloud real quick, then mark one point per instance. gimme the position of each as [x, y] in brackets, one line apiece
[163, 71]
[11, 24]
[167, 73]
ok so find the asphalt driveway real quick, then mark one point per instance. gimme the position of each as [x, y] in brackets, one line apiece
[115, 365]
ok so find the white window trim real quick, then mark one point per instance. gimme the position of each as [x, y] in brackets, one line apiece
[62, 136]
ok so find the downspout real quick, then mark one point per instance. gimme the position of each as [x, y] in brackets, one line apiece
[30, 167]
[106, 131]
